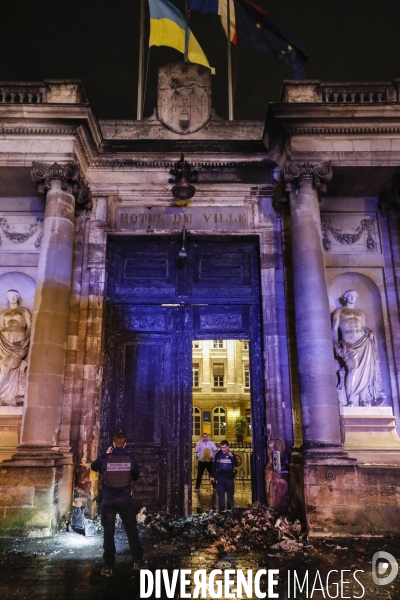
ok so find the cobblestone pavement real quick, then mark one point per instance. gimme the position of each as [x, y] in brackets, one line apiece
[68, 566]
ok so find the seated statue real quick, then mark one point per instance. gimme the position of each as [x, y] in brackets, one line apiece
[358, 351]
[15, 329]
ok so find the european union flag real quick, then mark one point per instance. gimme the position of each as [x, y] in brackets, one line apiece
[255, 31]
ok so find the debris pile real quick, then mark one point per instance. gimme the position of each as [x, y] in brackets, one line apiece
[243, 529]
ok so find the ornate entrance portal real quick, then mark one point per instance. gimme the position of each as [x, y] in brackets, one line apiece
[157, 304]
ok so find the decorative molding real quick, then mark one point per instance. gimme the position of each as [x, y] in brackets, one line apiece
[38, 131]
[84, 146]
[366, 225]
[68, 174]
[340, 130]
[121, 163]
[262, 191]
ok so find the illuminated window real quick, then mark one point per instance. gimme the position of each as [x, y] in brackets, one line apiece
[196, 421]
[219, 421]
[195, 374]
[218, 375]
[246, 377]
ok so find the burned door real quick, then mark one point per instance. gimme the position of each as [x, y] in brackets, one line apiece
[156, 306]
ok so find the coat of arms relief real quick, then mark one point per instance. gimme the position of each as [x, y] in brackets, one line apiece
[184, 97]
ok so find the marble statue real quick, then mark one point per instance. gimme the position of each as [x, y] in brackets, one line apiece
[15, 328]
[358, 350]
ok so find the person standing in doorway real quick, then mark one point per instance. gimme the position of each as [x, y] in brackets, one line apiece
[206, 450]
[119, 468]
[223, 471]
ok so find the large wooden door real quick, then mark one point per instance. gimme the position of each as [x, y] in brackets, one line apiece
[156, 306]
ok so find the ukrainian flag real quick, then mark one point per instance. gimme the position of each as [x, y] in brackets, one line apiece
[168, 27]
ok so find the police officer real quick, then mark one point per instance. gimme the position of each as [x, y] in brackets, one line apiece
[119, 468]
[223, 470]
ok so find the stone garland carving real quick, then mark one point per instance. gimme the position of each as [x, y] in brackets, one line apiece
[348, 238]
[20, 237]
[69, 174]
[15, 329]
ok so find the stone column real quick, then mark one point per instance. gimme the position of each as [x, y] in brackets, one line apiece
[318, 394]
[40, 470]
[47, 352]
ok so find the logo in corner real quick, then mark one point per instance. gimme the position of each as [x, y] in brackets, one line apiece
[381, 562]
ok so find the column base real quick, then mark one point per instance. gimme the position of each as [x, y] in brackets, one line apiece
[35, 492]
[320, 454]
[343, 498]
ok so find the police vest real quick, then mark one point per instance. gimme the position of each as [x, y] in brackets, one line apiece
[118, 472]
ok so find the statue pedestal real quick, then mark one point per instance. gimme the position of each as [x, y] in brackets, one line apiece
[10, 430]
[369, 434]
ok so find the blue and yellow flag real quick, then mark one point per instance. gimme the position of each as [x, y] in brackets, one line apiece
[168, 27]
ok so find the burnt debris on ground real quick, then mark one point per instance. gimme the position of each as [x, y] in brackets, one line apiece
[242, 529]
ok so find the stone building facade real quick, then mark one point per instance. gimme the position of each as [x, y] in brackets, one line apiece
[121, 276]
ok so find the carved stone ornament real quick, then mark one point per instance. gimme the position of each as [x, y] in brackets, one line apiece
[366, 225]
[184, 96]
[293, 175]
[20, 237]
[69, 175]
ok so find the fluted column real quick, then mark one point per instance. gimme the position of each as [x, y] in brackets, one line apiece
[47, 354]
[318, 394]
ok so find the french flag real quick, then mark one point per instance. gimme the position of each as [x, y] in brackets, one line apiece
[218, 7]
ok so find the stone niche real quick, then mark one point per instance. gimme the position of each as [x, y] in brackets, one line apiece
[370, 302]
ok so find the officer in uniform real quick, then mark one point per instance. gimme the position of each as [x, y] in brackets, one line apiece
[223, 470]
[119, 467]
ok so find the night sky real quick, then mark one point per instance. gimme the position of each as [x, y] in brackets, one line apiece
[97, 41]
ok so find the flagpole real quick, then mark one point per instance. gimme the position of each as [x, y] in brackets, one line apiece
[230, 94]
[185, 55]
[139, 108]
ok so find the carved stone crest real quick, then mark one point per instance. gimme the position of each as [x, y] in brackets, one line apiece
[184, 96]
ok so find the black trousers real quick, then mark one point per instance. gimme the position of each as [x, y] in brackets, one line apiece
[226, 487]
[124, 507]
[201, 467]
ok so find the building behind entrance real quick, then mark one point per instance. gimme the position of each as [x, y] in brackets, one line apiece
[128, 249]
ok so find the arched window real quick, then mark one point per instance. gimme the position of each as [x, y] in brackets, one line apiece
[196, 421]
[219, 421]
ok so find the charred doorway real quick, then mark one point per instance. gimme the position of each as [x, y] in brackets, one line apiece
[157, 305]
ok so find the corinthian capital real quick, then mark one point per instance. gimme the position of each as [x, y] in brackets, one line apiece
[299, 173]
[44, 174]
[69, 175]
[294, 175]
